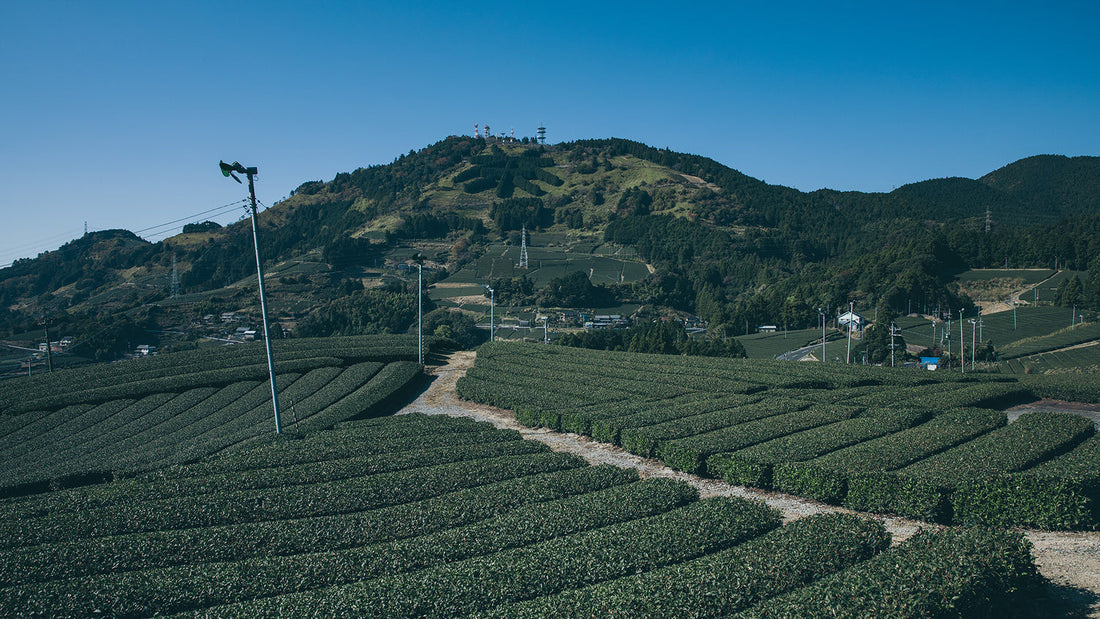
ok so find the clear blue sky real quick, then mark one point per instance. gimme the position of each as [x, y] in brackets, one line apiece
[116, 113]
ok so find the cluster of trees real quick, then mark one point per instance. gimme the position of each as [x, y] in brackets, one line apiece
[206, 226]
[385, 309]
[514, 213]
[1084, 294]
[455, 326]
[432, 226]
[575, 290]
[666, 338]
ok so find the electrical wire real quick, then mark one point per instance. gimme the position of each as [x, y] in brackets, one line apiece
[172, 225]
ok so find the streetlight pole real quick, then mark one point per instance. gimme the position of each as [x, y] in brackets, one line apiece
[228, 170]
[822, 312]
[973, 341]
[420, 313]
[962, 344]
[492, 308]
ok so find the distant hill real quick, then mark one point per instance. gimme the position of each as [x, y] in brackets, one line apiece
[720, 244]
[1054, 186]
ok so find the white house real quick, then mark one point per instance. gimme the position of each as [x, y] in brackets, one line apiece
[852, 320]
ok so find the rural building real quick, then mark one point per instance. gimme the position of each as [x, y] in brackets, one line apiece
[852, 320]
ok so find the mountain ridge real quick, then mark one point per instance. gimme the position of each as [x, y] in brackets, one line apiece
[724, 244]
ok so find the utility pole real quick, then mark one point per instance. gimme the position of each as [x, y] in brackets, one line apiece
[851, 317]
[893, 332]
[228, 170]
[822, 312]
[962, 344]
[419, 310]
[973, 342]
[49, 349]
[492, 309]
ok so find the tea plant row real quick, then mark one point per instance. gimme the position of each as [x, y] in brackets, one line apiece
[912, 443]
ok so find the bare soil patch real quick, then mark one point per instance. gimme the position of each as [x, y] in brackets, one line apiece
[1069, 560]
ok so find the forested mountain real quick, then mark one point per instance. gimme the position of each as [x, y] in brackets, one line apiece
[721, 244]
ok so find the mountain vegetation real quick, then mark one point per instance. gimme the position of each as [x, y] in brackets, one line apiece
[720, 245]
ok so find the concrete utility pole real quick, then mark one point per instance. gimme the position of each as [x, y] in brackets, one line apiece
[962, 344]
[419, 312]
[492, 309]
[49, 349]
[851, 317]
[893, 333]
[973, 342]
[228, 170]
[822, 312]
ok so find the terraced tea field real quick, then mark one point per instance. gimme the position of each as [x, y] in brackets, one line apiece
[913, 443]
[96, 422]
[437, 516]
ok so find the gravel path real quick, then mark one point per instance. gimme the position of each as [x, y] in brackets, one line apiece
[1070, 560]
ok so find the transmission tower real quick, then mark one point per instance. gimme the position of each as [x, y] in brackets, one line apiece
[523, 248]
[175, 278]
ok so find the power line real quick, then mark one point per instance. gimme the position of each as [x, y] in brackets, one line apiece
[221, 210]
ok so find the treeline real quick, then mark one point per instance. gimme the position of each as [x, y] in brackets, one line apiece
[570, 290]
[430, 226]
[506, 174]
[666, 338]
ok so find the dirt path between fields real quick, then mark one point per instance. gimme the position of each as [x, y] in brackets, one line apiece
[1070, 560]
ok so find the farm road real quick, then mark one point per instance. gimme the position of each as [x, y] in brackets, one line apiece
[1070, 560]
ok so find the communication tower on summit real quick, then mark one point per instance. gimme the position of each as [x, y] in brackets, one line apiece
[523, 248]
[476, 133]
[541, 134]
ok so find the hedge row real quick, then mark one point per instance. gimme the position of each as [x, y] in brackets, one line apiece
[825, 478]
[300, 535]
[332, 470]
[1031, 439]
[34, 463]
[859, 459]
[725, 582]
[998, 395]
[478, 584]
[189, 587]
[21, 395]
[753, 466]
[401, 433]
[1063, 493]
[390, 382]
[925, 489]
[177, 382]
[697, 454]
[1071, 387]
[645, 440]
[610, 429]
[948, 573]
[229, 507]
